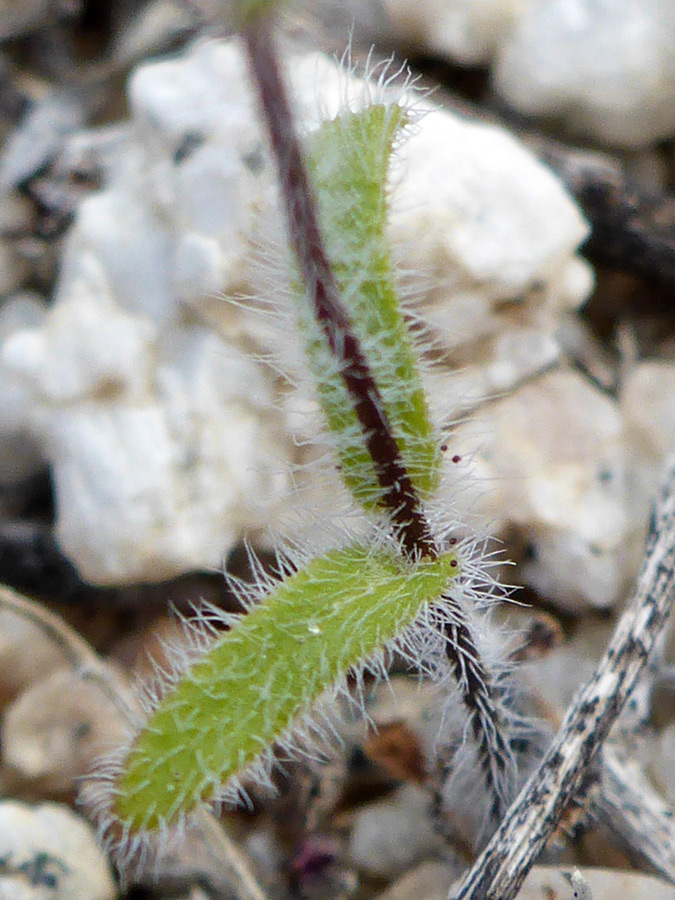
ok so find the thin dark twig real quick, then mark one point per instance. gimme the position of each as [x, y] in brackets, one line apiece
[534, 815]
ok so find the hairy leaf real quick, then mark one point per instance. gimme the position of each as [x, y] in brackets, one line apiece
[258, 679]
[348, 160]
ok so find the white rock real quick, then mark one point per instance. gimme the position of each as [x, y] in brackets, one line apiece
[32, 144]
[113, 479]
[573, 571]
[89, 347]
[552, 461]
[120, 248]
[54, 733]
[146, 492]
[486, 224]
[467, 31]
[160, 433]
[490, 368]
[20, 453]
[648, 405]
[605, 884]
[49, 853]
[391, 835]
[92, 152]
[516, 355]
[606, 66]
[197, 124]
[647, 402]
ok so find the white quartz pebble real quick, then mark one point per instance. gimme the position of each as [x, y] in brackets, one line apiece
[54, 733]
[168, 442]
[551, 461]
[467, 31]
[606, 67]
[390, 836]
[479, 217]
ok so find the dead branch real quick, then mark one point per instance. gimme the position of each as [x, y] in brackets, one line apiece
[79, 655]
[630, 808]
[87, 664]
[532, 818]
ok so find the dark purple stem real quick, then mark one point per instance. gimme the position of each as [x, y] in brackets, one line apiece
[399, 496]
[478, 694]
[398, 492]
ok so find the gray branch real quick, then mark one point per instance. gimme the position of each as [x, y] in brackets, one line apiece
[631, 809]
[502, 866]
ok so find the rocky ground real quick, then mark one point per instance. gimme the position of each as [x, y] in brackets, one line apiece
[143, 437]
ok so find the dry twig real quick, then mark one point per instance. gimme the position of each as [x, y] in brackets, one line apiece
[532, 818]
[630, 807]
[90, 667]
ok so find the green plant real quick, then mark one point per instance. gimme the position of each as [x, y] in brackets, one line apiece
[219, 716]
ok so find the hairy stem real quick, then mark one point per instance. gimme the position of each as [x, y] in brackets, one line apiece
[398, 493]
[478, 693]
[399, 496]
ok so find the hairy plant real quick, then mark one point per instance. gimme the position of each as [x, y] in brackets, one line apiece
[244, 694]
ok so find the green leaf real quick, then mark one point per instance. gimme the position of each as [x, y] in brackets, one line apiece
[348, 160]
[258, 679]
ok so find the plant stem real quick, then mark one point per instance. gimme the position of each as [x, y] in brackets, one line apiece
[399, 496]
[398, 492]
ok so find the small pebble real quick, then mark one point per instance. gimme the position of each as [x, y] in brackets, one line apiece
[26, 654]
[593, 884]
[551, 461]
[391, 835]
[430, 880]
[49, 853]
[54, 732]
[607, 68]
